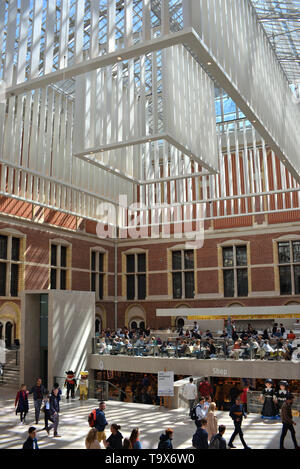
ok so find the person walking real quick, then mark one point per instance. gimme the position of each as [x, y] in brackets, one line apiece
[200, 438]
[114, 441]
[46, 410]
[237, 412]
[91, 441]
[21, 403]
[288, 422]
[190, 393]
[212, 421]
[38, 392]
[54, 412]
[134, 439]
[101, 423]
[218, 442]
[200, 410]
[31, 442]
[165, 440]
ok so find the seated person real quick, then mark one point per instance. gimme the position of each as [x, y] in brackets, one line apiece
[212, 349]
[253, 348]
[291, 336]
[288, 350]
[247, 351]
[265, 335]
[267, 348]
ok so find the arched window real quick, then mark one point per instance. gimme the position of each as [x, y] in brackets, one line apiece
[179, 322]
[1, 330]
[133, 325]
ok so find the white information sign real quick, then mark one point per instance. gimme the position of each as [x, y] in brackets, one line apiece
[165, 383]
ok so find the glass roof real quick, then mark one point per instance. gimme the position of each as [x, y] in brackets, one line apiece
[281, 22]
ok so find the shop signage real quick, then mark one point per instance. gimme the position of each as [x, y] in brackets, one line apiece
[220, 372]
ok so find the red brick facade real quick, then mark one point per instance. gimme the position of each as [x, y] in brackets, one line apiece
[81, 237]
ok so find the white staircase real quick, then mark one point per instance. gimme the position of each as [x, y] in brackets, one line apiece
[11, 376]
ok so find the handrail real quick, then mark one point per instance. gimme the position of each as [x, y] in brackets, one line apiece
[110, 384]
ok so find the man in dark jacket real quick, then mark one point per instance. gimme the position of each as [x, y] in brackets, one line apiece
[38, 391]
[237, 412]
[218, 442]
[287, 421]
[54, 411]
[101, 423]
[31, 442]
[165, 440]
[200, 438]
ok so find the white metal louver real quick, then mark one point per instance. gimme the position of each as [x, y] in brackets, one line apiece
[165, 96]
[128, 77]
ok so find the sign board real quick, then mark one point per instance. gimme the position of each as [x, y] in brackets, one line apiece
[165, 383]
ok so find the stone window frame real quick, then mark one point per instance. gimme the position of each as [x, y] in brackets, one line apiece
[135, 252]
[277, 265]
[59, 243]
[11, 233]
[180, 247]
[234, 243]
[99, 249]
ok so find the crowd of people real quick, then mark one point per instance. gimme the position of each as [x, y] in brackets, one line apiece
[209, 432]
[44, 402]
[248, 344]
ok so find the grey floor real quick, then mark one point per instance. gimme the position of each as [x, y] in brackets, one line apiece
[151, 421]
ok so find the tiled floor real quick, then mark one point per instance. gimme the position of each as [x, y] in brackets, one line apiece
[150, 419]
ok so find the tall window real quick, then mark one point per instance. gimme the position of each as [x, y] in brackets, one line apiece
[235, 271]
[59, 268]
[9, 265]
[289, 267]
[183, 274]
[136, 276]
[97, 274]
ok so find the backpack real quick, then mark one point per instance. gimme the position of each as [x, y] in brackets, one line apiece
[214, 442]
[92, 418]
[193, 412]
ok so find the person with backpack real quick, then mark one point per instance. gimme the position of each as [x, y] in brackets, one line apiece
[199, 411]
[165, 440]
[217, 441]
[97, 419]
[200, 438]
